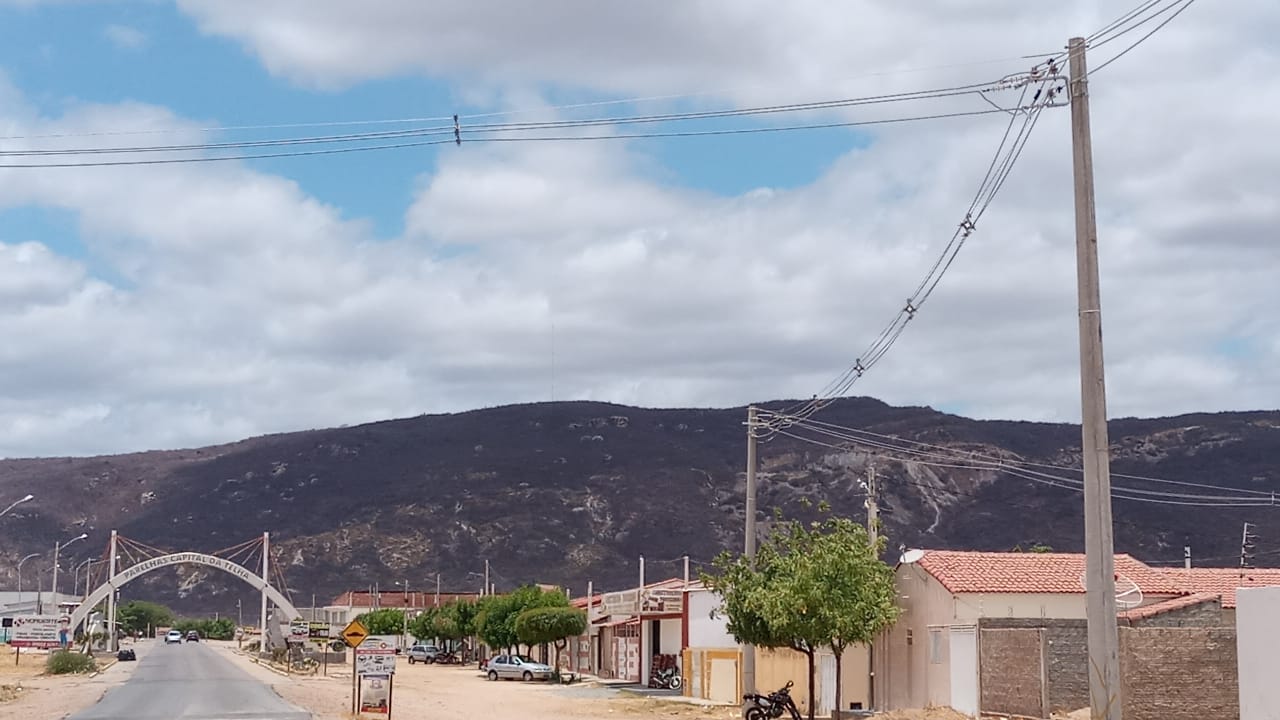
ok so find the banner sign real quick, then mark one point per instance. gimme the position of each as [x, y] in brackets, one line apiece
[40, 631]
[375, 661]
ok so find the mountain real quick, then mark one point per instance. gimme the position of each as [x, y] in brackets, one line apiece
[575, 491]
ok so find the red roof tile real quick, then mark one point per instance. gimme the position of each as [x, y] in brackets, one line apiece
[1164, 606]
[1033, 573]
[398, 599]
[1222, 581]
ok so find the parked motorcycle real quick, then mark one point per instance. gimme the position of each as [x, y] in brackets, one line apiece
[771, 706]
[667, 679]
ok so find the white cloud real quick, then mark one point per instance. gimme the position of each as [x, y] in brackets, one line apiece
[252, 307]
[124, 36]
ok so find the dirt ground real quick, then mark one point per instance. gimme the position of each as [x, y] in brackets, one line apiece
[431, 691]
[26, 694]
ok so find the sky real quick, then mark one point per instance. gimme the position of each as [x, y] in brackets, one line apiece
[184, 304]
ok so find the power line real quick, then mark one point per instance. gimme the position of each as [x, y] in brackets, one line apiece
[1142, 39]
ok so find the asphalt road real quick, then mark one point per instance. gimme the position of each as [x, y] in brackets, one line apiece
[190, 682]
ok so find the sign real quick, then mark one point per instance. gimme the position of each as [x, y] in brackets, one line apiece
[375, 694]
[662, 601]
[625, 602]
[38, 631]
[299, 631]
[318, 632]
[354, 633]
[375, 661]
[381, 642]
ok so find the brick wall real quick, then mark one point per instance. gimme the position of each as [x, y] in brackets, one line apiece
[1066, 665]
[1179, 673]
[1010, 670]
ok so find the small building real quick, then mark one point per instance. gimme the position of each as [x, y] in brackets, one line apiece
[1223, 582]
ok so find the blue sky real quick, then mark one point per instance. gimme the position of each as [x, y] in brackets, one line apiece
[63, 54]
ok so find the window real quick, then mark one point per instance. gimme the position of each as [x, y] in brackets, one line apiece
[935, 646]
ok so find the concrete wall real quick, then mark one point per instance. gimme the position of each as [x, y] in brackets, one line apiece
[1258, 626]
[775, 667]
[705, 632]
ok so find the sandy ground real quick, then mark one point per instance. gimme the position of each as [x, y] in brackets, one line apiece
[430, 691]
[25, 693]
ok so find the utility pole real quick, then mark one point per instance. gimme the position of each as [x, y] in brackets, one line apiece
[686, 572]
[1246, 548]
[111, 596]
[437, 589]
[749, 543]
[266, 559]
[1104, 639]
[873, 536]
[486, 579]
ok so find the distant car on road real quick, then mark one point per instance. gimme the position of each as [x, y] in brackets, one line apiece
[174, 636]
[423, 653]
[512, 667]
[193, 636]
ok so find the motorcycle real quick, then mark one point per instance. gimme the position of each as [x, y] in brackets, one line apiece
[667, 679]
[771, 706]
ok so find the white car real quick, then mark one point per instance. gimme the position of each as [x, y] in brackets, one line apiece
[174, 636]
[511, 667]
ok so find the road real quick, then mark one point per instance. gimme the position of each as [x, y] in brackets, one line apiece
[190, 682]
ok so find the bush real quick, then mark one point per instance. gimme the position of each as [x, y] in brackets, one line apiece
[63, 662]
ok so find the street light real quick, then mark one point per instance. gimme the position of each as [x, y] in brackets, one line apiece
[20, 562]
[56, 548]
[16, 504]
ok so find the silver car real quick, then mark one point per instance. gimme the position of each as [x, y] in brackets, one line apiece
[512, 667]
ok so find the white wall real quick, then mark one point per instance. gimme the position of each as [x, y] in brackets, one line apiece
[1257, 637]
[671, 637]
[703, 631]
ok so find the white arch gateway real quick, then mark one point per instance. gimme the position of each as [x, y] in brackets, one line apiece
[106, 591]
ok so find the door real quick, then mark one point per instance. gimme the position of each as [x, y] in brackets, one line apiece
[723, 685]
[826, 684]
[964, 669]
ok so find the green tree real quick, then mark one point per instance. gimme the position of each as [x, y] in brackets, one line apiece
[496, 618]
[553, 625]
[140, 616]
[387, 621]
[210, 628]
[812, 585]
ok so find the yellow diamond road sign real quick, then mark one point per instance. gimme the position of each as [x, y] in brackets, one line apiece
[354, 633]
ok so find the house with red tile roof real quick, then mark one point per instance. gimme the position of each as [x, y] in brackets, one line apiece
[930, 656]
[1223, 582]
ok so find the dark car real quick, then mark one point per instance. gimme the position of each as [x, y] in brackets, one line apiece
[126, 654]
[193, 636]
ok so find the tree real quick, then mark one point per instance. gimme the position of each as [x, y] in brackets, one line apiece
[553, 625]
[387, 621]
[835, 591]
[495, 620]
[210, 628]
[813, 585]
[140, 616]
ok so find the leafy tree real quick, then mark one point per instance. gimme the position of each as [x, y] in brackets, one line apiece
[812, 585]
[553, 625]
[495, 621]
[211, 628]
[423, 626]
[387, 621]
[140, 616]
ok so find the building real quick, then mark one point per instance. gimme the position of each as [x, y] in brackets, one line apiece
[1223, 582]
[346, 607]
[930, 656]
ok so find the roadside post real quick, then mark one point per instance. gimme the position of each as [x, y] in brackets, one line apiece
[353, 634]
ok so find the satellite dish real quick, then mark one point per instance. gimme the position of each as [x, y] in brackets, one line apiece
[1128, 594]
[911, 557]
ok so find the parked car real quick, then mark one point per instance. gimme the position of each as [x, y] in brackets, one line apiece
[174, 636]
[423, 653]
[512, 667]
[193, 636]
[126, 655]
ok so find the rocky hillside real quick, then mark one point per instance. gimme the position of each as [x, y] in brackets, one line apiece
[566, 492]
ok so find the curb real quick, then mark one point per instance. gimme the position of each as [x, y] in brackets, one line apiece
[103, 668]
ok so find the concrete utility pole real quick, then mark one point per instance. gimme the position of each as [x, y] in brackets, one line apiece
[1246, 548]
[686, 572]
[437, 589]
[266, 567]
[749, 542]
[645, 647]
[873, 522]
[111, 596]
[487, 590]
[1104, 640]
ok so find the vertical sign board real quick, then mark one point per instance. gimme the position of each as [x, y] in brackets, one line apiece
[375, 668]
[299, 632]
[353, 634]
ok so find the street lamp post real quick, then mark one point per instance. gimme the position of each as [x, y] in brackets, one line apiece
[56, 548]
[16, 503]
[20, 562]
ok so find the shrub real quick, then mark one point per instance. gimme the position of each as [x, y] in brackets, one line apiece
[63, 662]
